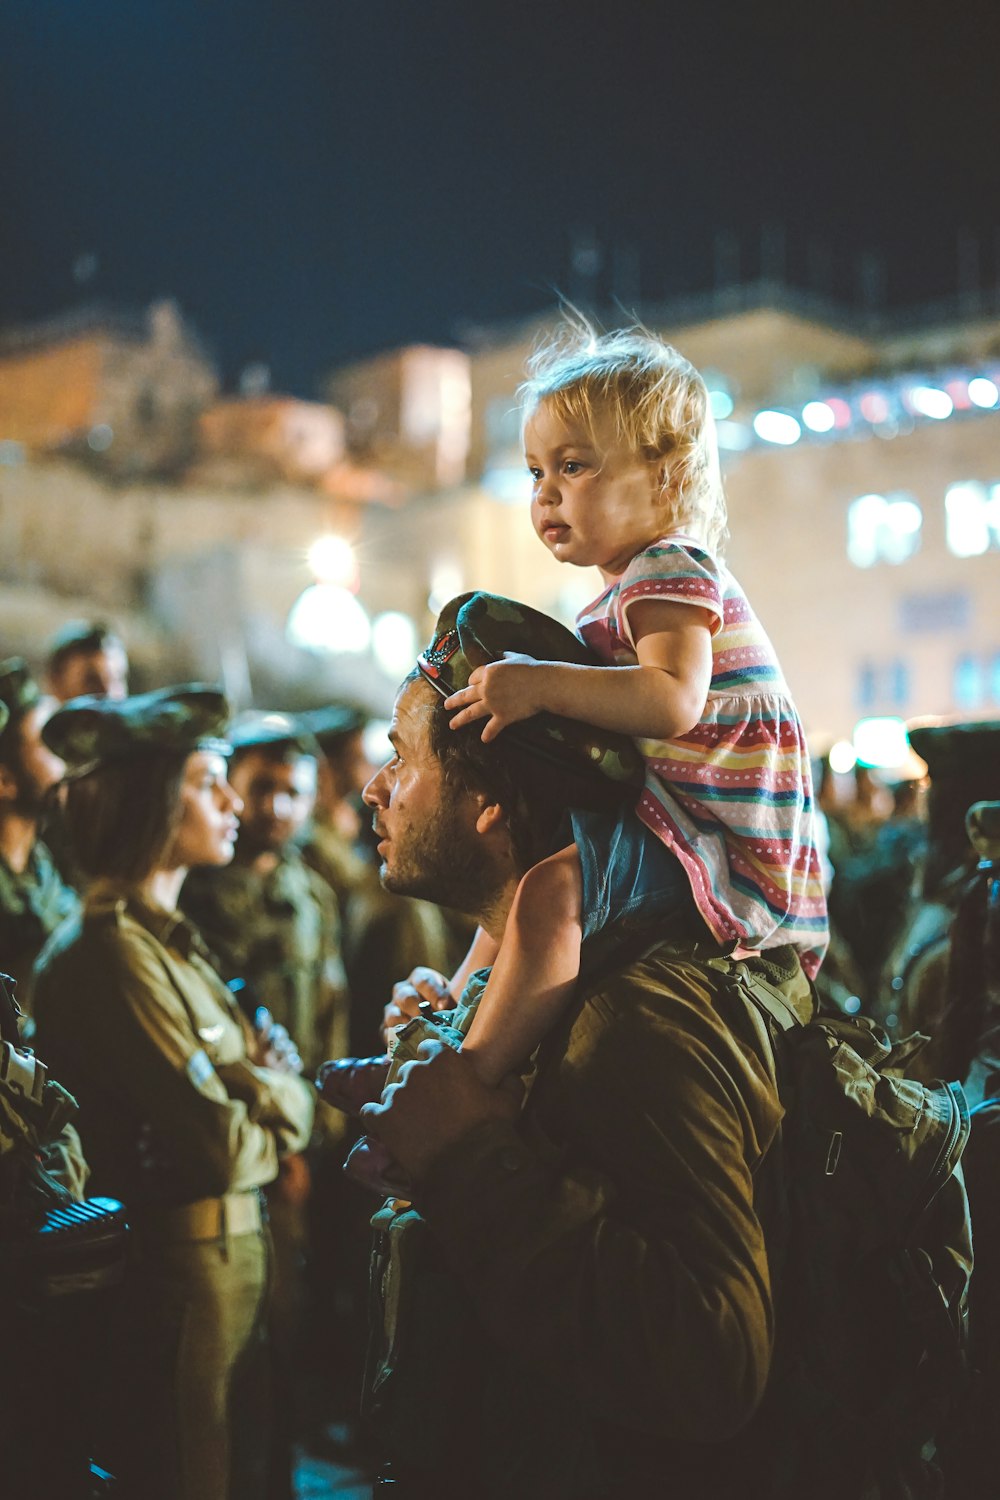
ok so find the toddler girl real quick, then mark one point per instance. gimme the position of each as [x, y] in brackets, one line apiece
[620, 444]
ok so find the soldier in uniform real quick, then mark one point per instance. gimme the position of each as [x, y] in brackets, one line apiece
[184, 1111]
[87, 657]
[272, 922]
[329, 839]
[34, 899]
[963, 761]
[268, 919]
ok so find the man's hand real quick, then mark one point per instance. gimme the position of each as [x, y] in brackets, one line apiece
[437, 1100]
[501, 693]
[423, 984]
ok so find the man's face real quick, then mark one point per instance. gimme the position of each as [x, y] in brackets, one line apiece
[37, 770]
[428, 842]
[101, 674]
[278, 793]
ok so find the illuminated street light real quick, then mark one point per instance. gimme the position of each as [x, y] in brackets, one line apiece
[928, 401]
[777, 427]
[326, 617]
[332, 560]
[818, 417]
[842, 757]
[983, 392]
[881, 742]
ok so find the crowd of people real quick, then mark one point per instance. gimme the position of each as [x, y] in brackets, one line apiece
[577, 904]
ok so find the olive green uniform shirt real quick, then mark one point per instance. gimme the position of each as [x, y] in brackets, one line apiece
[280, 933]
[32, 905]
[593, 1288]
[132, 1017]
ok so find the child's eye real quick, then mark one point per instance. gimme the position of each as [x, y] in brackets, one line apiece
[536, 474]
[572, 467]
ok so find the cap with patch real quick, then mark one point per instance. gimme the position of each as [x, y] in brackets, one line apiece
[476, 629]
[18, 689]
[256, 729]
[91, 732]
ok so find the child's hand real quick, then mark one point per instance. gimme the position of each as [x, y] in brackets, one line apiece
[501, 693]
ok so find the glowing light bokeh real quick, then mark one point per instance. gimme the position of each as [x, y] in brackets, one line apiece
[328, 618]
[332, 560]
[778, 427]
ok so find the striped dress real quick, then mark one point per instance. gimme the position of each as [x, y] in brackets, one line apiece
[732, 798]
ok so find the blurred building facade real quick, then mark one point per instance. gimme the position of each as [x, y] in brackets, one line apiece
[862, 468]
[862, 472]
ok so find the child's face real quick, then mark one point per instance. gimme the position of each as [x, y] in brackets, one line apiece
[593, 503]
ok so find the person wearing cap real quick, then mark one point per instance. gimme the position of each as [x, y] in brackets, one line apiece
[87, 658]
[267, 917]
[329, 838]
[185, 1113]
[34, 898]
[963, 762]
[272, 922]
[575, 1298]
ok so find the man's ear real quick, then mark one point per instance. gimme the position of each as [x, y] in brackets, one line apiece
[8, 784]
[491, 816]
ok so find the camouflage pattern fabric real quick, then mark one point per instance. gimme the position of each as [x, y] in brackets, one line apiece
[476, 629]
[89, 732]
[33, 903]
[280, 933]
[18, 689]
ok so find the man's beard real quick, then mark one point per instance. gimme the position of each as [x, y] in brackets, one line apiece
[443, 864]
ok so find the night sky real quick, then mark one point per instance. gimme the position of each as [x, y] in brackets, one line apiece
[314, 180]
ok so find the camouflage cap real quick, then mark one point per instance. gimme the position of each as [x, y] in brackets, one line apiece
[18, 689]
[90, 732]
[475, 629]
[258, 728]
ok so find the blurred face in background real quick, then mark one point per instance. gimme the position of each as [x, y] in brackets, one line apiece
[278, 790]
[30, 770]
[102, 674]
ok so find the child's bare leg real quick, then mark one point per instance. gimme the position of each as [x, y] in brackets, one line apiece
[535, 970]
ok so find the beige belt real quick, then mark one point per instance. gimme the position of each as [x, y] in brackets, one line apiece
[205, 1219]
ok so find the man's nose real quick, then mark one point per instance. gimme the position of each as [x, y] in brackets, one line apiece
[373, 794]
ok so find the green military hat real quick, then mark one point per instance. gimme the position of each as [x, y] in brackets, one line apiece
[18, 689]
[333, 723]
[964, 765]
[257, 728]
[88, 733]
[476, 629]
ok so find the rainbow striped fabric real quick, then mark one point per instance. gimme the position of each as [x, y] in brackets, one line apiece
[732, 798]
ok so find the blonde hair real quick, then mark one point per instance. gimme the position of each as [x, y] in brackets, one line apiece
[658, 405]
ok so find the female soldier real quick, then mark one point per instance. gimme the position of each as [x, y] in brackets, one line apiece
[182, 1114]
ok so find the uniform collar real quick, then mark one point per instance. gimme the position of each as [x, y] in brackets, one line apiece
[171, 928]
